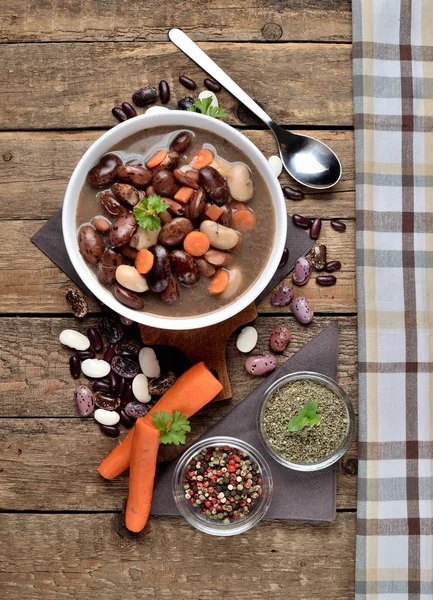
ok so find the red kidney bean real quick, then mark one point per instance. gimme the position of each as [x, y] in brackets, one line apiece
[333, 265]
[129, 110]
[212, 85]
[292, 194]
[315, 228]
[127, 392]
[300, 221]
[119, 114]
[164, 91]
[109, 353]
[126, 420]
[95, 339]
[83, 354]
[187, 82]
[75, 366]
[121, 386]
[338, 225]
[113, 382]
[284, 257]
[326, 280]
[101, 386]
[110, 430]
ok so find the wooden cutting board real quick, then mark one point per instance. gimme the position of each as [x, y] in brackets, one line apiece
[207, 344]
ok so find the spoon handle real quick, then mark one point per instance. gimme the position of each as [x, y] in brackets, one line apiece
[190, 48]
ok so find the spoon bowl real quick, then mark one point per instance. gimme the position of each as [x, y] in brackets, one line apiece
[309, 161]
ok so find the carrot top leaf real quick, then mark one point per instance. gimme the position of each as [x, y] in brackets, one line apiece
[173, 427]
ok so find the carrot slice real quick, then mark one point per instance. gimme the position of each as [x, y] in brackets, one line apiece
[203, 159]
[156, 159]
[144, 452]
[144, 261]
[184, 194]
[243, 221]
[214, 212]
[219, 282]
[195, 388]
[196, 243]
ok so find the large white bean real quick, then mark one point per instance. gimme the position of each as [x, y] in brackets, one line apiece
[220, 237]
[149, 363]
[240, 183]
[106, 417]
[131, 279]
[140, 388]
[144, 238]
[74, 339]
[95, 368]
[220, 165]
[247, 339]
[208, 94]
[234, 284]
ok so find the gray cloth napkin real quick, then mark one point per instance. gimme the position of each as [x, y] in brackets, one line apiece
[296, 495]
[49, 239]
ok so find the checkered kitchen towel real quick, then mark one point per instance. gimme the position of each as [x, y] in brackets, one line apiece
[393, 89]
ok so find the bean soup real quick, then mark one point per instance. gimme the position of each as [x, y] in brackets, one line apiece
[175, 222]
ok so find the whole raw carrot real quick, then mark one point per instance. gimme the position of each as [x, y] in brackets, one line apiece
[195, 388]
[144, 452]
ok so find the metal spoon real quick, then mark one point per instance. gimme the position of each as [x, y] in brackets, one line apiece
[309, 161]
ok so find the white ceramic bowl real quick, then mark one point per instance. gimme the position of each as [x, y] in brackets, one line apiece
[176, 119]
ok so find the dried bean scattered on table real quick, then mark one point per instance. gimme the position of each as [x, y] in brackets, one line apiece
[326, 280]
[338, 225]
[106, 401]
[292, 194]
[185, 103]
[125, 419]
[333, 265]
[284, 258]
[136, 409]
[110, 330]
[212, 85]
[315, 228]
[279, 339]
[283, 296]
[129, 110]
[75, 366]
[119, 114]
[84, 400]
[77, 302]
[101, 386]
[144, 96]
[125, 367]
[110, 430]
[302, 271]
[187, 82]
[82, 354]
[159, 385]
[95, 339]
[164, 91]
[302, 311]
[114, 382]
[317, 256]
[300, 221]
[260, 365]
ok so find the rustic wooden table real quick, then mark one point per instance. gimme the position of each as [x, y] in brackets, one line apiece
[64, 65]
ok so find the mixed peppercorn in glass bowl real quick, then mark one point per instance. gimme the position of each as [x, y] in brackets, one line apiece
[222, 486]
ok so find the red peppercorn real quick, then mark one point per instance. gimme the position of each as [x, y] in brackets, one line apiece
[219, 472]
[231, 468]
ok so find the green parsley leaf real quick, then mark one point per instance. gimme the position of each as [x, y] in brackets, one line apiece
[305, 416]
[173, 427]
[204, 107]
[146, 212]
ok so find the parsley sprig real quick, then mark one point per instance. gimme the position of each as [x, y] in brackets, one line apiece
[173, 427]
[146, 212]
[204, 107]
[305, 416]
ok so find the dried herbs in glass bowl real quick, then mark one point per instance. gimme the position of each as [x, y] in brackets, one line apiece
[306, 421]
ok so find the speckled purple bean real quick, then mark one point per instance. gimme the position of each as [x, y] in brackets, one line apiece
[125, 367]
[302, 311]
[283, 296]
[110, 430]
[95, 339]
[84, 400]
[136, 409]
[260, 365]
[75, 366]
[279, 339]
[302, 271]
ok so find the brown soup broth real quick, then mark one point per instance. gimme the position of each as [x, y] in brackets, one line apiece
[255, 246]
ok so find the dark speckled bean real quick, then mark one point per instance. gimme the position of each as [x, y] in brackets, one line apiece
[110, 430]
[95, 339]
[136, 409]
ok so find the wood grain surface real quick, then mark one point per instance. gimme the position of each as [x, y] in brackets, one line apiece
[71, 86]
[43, 161]
[66, 64]
[85, 556]
[144, 20]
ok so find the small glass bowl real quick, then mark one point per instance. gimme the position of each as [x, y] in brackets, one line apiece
[200, 521]
[326, 461]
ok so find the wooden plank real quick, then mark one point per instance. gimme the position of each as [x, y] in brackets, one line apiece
[43, 161]
[31, 283]
[71, 556]
[72, 86]
[34, 369]
[144, 20]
